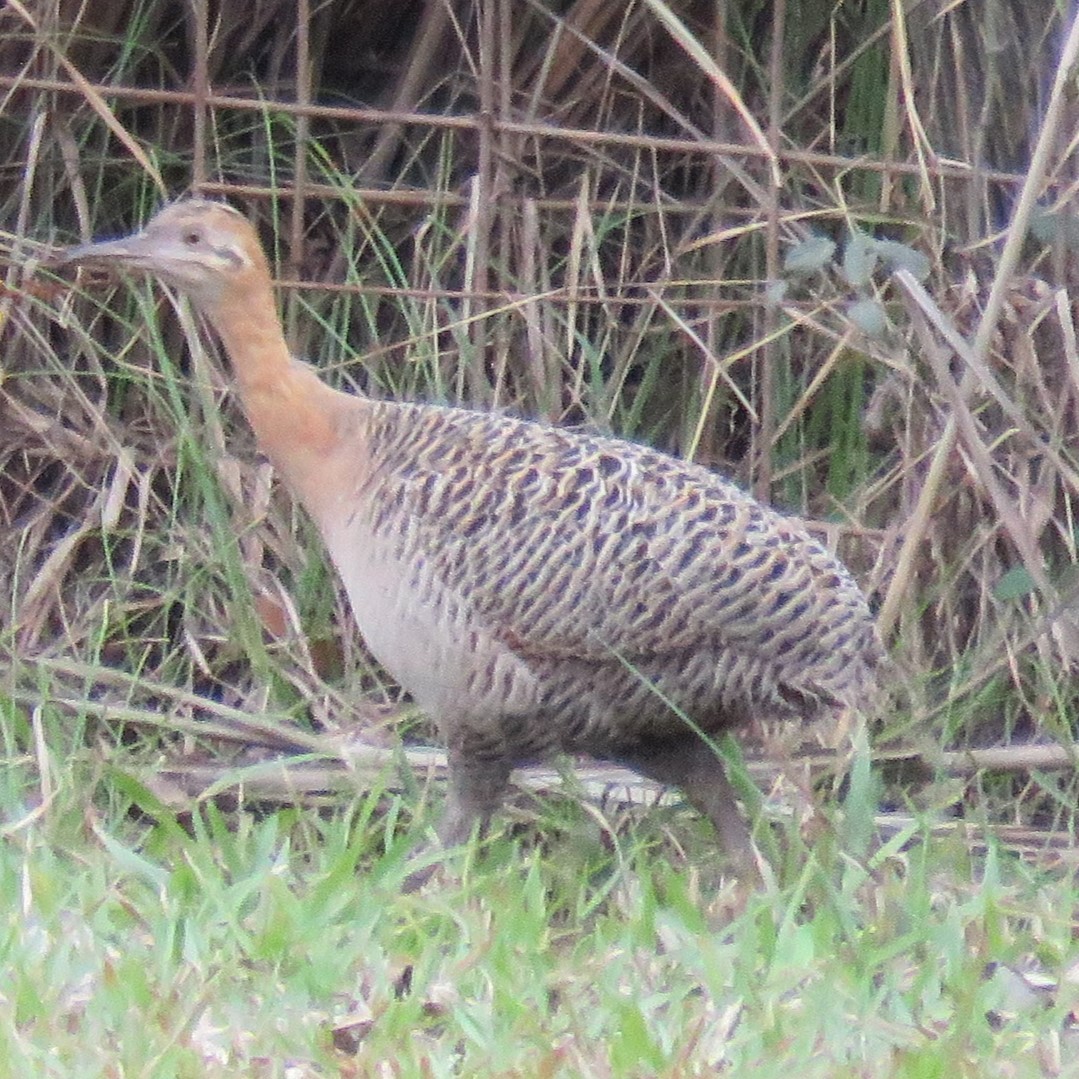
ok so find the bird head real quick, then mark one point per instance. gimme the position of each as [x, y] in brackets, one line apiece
[205, 249]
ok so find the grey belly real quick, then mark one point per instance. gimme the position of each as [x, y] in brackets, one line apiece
[608, 709]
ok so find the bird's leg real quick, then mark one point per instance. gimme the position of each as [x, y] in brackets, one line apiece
[476, 789]
[700, 772]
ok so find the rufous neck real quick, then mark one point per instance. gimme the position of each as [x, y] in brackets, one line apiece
[251, 332]
[288, 407]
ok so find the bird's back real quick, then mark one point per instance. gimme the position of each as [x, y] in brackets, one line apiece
[553, 589]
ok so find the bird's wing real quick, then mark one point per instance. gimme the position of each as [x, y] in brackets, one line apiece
[565, 544]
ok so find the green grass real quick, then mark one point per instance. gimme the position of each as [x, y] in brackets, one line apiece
[275, 941]
[257, 942]
[150, 572]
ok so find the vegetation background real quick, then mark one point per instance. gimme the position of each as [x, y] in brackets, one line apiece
[826, 247]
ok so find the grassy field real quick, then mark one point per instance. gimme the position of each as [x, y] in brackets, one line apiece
[205, 804]
[242, 922]
[274, 941]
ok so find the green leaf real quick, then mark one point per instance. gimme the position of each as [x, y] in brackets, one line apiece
[634, 1046]
[1015, 584]
[897, 256]
[868, 316]
[1043, 226]
[860, 806]
[130, 861]
[1051, 228]
[859, 259]
[809, 256]
[775, 291]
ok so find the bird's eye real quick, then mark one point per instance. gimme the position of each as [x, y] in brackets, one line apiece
[192, 238]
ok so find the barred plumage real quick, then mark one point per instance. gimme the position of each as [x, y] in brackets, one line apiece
[537, 589]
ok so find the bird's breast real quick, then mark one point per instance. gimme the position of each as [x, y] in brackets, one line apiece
[419, 628]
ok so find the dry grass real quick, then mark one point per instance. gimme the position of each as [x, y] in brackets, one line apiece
[661, 219]
[571, 215]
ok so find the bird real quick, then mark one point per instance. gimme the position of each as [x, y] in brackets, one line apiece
[538, 589]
